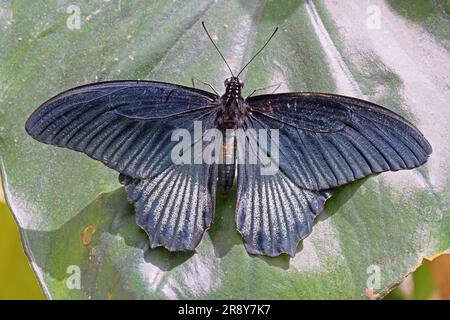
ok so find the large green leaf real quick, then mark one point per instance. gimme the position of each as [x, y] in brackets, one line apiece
[71, 211]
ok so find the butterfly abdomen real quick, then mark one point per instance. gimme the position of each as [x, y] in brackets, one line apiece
[227, 166]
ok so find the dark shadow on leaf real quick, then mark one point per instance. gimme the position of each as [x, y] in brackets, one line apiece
[339, 198]
[166, 260]
[223, 233]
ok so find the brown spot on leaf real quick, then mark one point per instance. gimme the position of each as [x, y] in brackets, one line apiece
[86, 234]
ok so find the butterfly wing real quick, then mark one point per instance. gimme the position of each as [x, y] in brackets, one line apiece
[273, 212]
[329, 140]
[324, 141]
[128, 125]
[176, 206]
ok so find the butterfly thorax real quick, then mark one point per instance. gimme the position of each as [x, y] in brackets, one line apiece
[232, 108]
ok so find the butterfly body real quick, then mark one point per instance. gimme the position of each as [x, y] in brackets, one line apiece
[231, 116]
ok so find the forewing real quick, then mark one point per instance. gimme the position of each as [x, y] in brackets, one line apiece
[272, 213]
[127, 125]
[329, 140]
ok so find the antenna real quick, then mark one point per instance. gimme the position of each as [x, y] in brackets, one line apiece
[267, 42]
[210, 38]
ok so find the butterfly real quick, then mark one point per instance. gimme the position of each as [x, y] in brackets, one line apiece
[323, 141]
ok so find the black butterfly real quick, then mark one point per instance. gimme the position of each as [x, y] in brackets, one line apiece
[325, 141]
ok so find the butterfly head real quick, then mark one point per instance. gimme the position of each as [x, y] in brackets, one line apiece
[233, 84]
[233, 87]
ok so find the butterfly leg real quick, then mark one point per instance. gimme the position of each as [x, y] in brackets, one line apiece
[205, 83]
[276, 85]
